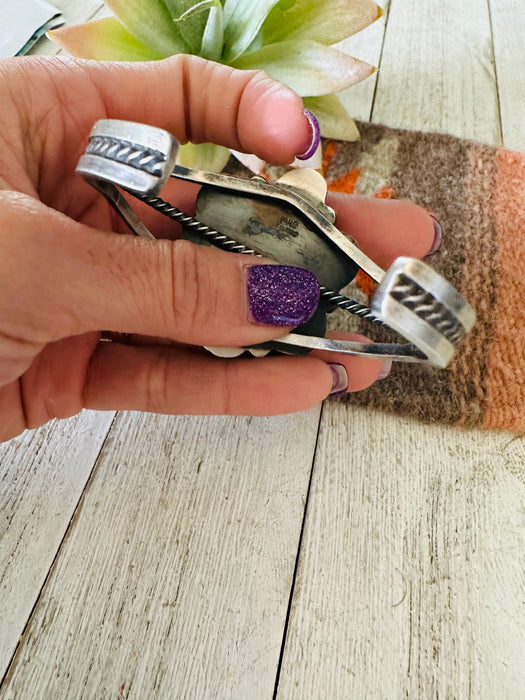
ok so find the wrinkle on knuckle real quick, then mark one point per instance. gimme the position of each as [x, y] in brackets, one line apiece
[185, 73]
[157, 383]
[251, 100]
[211, 99]
[224, 390]
[219, 84]
[193, 301]
[195, 78]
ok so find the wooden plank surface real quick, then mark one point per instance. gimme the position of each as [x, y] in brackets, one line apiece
[174, 579]
[209, 593]
[508, 26]
[411, 578]
[42, 476]
[367, 46]
[437, 71]
[411, 573]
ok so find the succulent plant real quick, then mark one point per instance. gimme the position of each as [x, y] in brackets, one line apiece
[290, 39]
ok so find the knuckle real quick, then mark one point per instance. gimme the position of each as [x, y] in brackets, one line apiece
[260, 78]
[193, 298]
[224, 393]
[262, 85]
[157, 383]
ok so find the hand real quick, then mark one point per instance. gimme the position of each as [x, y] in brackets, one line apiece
[67, 272]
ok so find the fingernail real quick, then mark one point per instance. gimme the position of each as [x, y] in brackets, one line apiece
[340, 381]
[387, 366]
[281, 295]
[438, 236]
[315, 135]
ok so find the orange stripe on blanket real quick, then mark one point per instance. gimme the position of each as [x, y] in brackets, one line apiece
[386, 192]
[505, 397]
[329, 153]
[345, 183]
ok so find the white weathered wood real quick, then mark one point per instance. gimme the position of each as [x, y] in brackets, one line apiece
[411, 572]
[215, 599]
[437, 70]
[174, 579]
[365, 45]
[42, 476]
[209, 578]
[412, 579]
[411, 576]
[508, 23]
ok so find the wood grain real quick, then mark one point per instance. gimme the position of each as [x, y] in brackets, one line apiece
[508, 23]
[410, 579]
[42, 476]
[365, 45]
[437, 71]
[174, 579]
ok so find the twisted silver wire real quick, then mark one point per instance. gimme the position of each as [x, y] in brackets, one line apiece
[348, 304]
[222, 241]
[127, 153]
[218, 239]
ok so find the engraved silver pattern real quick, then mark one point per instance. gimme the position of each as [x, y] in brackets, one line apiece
[127, 153]
[226, 243]
[427, 307]
[411, 298]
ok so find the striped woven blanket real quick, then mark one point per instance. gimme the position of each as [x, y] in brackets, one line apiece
[478, 194]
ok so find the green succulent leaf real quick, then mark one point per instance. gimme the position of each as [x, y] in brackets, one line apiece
[334, 120]
[203, 156]
[191, 18]
[196, 9]
[105, 40]
[242, 21]
[325, 21]
[151, 23]
[213, 37]
[309, 68]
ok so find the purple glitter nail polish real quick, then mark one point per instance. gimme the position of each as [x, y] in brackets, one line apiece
[316, 135]
[438, 236]
[340, 383]
[281, 295]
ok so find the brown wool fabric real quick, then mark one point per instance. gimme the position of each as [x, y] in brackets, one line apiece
[477, 192]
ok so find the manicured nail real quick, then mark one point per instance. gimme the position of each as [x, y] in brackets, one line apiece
[340, 381]
[438, 236]
[387, 366]
[281, 295]
[315, 135]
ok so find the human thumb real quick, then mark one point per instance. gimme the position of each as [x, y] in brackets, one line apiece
[64, 278]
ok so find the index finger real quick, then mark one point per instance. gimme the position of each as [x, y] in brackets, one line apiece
[202, 101]
[386, 229]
